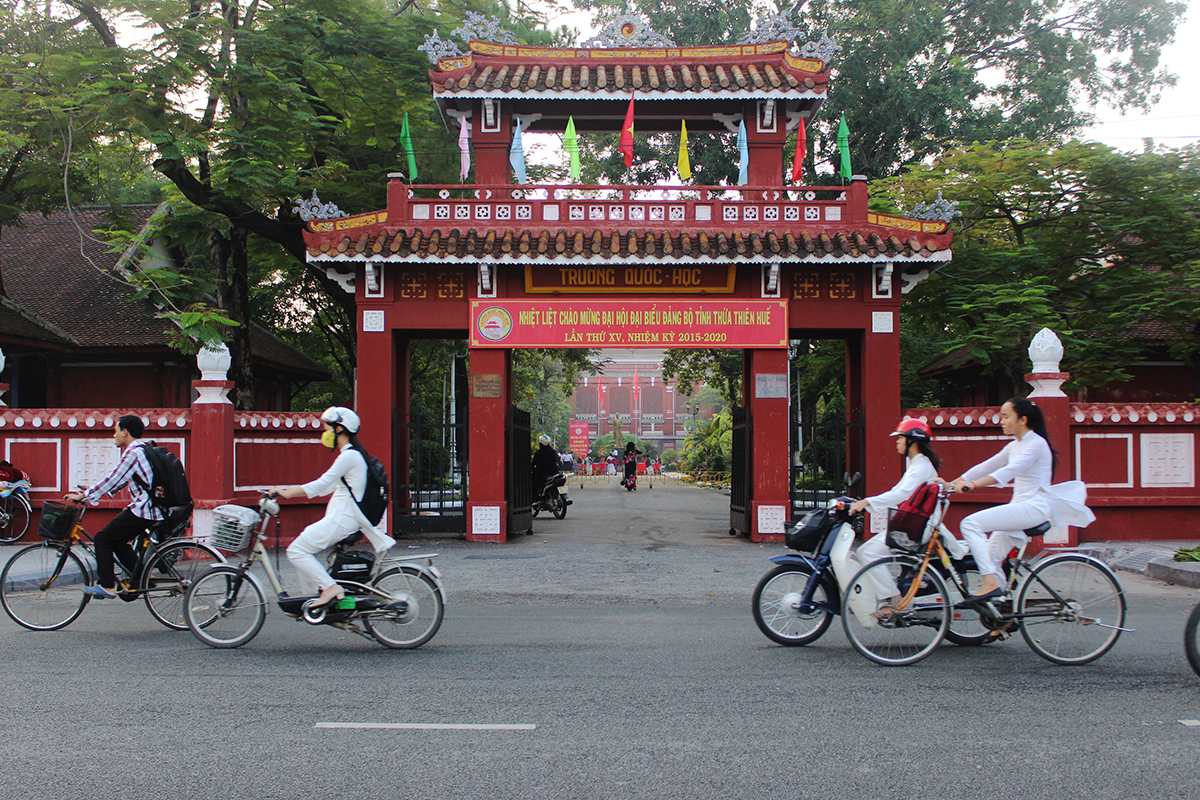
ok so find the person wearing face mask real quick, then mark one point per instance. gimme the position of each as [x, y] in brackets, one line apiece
[347, 480]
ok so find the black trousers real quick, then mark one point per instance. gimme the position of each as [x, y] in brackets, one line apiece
[113, 540]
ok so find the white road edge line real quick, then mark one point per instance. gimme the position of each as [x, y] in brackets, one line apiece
[427, 726]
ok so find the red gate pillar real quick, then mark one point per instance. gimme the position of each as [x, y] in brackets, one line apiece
[1045, 351]
[879, 377]
[487, 440]
[210, 462]
[375, 392]
[766, 374]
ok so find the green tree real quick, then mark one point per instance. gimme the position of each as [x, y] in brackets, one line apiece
[1093, 243]
[914, 76]
[718, 369]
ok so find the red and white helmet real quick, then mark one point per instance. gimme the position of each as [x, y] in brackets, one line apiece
[914, 429]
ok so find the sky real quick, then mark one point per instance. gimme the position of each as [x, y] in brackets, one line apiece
[1175, 120]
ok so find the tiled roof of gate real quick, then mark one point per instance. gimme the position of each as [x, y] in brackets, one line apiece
[383, 243]
[678, 72]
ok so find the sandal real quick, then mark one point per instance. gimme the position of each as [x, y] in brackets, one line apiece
[884, 611]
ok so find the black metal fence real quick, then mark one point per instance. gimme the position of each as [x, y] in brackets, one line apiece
[824, 448]
[520, 479]
[740, 473]
[431, 494]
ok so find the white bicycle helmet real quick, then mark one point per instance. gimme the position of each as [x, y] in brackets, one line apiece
[544, 439]
[340, 415]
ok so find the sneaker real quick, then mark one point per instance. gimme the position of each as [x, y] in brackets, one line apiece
[99, 592]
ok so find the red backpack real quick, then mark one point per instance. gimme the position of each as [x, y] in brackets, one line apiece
[907, 521]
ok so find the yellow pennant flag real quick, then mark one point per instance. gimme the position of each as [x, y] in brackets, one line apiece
[685, 164]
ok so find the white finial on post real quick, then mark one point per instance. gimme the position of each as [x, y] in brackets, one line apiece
[1046, 352]
[214, 362]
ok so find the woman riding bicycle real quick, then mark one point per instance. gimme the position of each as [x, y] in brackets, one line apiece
[1028, 462]
[912, 441]
[342, 517]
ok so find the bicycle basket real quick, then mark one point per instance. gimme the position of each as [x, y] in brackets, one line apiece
[57, 520]
[807, 534]
[233, 527]
[908, 531]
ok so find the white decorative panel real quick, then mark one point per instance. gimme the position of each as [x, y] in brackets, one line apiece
[483, 211]
[882, 322]
[462, 212]
[833, 213]
[1168, 459]
[637, 212]
[550, 213]
[616, 213]
[812, 213]
[678, 213]
[441, 211]
[575, 212]
[730, 213]
[791, 214]
[703, 213]
[373, 321]
[91, 460]
[420, 211]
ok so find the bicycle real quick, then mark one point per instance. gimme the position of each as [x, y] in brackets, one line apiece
[15, 510]
[401, 607]
[41, 586]
[1070, 608]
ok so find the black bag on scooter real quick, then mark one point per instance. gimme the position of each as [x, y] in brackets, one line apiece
[810, 530]
[352, 565]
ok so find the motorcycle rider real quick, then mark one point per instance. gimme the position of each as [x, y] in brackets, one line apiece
[631, 454]
[913, 438]
[544, 465]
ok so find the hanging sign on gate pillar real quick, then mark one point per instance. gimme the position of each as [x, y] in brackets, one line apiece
[629, 323]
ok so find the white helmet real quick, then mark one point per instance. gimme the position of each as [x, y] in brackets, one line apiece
[544, 439]
[340, 415]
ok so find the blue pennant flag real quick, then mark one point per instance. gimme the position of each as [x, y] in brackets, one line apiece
[516, 156]
[744, 155]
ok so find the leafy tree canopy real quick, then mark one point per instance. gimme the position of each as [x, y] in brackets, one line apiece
[1098, 245]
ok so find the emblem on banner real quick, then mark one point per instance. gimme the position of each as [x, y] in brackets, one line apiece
[494, 324]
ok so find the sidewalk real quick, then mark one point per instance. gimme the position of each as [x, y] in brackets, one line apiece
[1152, 559]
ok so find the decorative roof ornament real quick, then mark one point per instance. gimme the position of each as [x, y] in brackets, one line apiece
[313, 208]
[436, 48]
[943, 210]
[485, 29]
[772, 28]
[628, 30]
[824, 49]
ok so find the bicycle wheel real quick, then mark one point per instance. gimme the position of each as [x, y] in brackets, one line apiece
[966, 629]
[168, 575]
[14, 517]
[224, 607]
[418, 609]
[41, 587]
[777, 609]
[1071, 609]
[912, 630]
[1191, 639]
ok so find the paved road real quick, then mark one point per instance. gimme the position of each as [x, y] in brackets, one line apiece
[621, 640]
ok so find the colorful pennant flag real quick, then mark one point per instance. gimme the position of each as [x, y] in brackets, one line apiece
[626, 145]
[684, 164]
[843, 143]
[801, 150]
[571, 144]
[600, 396]
[743, 155]
[516, 156]
[406, 141]
[464, 148]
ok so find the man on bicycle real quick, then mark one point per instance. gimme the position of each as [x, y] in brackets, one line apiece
[135, 519]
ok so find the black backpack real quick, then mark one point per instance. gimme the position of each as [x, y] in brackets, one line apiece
[169, 488]
[375, 497]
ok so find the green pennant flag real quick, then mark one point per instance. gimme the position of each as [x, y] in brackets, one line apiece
[406, 140]
[843, 143]
[571, 144]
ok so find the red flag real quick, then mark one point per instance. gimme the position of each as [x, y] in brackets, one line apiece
[801, 149]
[626, 145]
[636, 388]
[599, 396]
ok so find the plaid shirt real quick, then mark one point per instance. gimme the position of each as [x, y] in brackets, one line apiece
[133, 463]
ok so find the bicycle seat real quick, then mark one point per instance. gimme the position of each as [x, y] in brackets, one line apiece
[1038, 530]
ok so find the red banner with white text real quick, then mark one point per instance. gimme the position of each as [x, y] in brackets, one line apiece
[629, 323]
